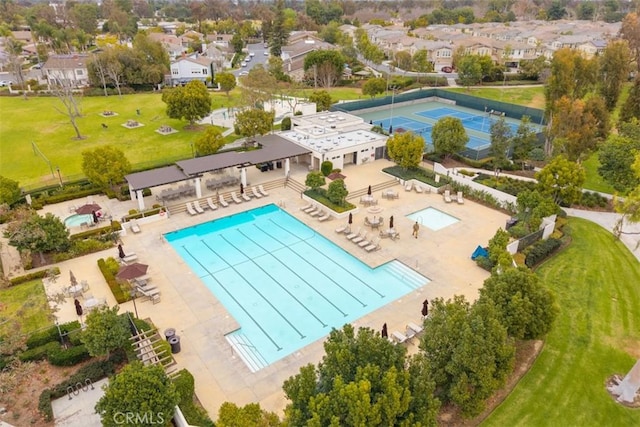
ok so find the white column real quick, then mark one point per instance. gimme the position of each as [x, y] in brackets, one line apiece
[287, 167]
[140, 200]
[132, 193]
[196, 181]
[243, 176]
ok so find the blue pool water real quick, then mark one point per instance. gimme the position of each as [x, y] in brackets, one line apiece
[77, 220]
[433, 218]
[285, 284]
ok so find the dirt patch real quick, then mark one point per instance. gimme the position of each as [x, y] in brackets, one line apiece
[22, 386]
[615, 380]
[526, 354]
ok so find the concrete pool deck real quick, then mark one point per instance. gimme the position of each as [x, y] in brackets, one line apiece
[201, 321]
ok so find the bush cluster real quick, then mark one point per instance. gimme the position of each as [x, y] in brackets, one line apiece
[51, 334]
[39, 353]
[93, 371]
[107, 270]
[32, 276]
[68, 357]
[185, 386]
[505, 184]
[420, 174]
[320, 196]
[593, 200]
[540, 250]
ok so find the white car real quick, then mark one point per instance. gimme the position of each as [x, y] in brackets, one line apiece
[4, 83]
[252, 54]
[243, 64]
[243, 73]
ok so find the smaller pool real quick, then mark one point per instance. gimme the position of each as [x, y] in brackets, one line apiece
[77, 220]
[433, 218]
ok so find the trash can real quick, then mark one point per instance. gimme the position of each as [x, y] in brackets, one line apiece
[169, 333]
[175, 344]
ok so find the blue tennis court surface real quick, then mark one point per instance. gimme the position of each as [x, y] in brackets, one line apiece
[478, 122]
[424, 130]
[284, 284]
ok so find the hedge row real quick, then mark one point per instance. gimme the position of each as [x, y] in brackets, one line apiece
[39, 353]
[540, 250]
[32, 276]
[51, 334]
[119, 294]
[185, 386]
[93, 371]
[113, 227]
[56, 354]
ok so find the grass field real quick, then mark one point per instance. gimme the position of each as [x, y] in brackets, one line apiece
[594, 181]
[530, 96]
[596, 335]
[27, 305]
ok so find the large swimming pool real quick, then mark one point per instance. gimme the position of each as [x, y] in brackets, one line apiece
[285, 284]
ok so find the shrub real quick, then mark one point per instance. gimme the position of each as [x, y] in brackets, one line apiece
[35, 275]
[119, 294]
[68, 357]
[485, 263]
[39, 353]
[539, 251]
[326, 167]
[519, 230]
[185, 386]
[286, 123]
[537, 155]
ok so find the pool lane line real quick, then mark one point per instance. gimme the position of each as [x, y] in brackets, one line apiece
[317, 269]
[255, 289]
[295, 273]
[326, 257]
[235, 300]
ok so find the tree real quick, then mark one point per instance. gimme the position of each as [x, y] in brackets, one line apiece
[9, 191]
[573, 131]
[32, 232]
[327, 66]
[363, 380]
[532, 69]
[85, 17]
[315, 179]
[497, 248]
[533, 206]
[616, 156]
[562, 180]
[374, 86]
[322, 98]
[524, 306]
[106, 331]
[449, 136]
[469, 70]
[191, 102]
[523, 141]
[250, 415]
[326, 167]
[556, 11]
[63, 90]
[226, 81]
[252, 122]
[237, 43]
[614, 69]
[469, 352]
[14, 48]
[142, 391]
[105, 166]
[403, 60]
[630, 31]
[278, 35]
[258, 87]
[405, 149]
[500, 142]
[421, 62]
[209, 142]
[337, 192]
[631, 107]
[572, 76]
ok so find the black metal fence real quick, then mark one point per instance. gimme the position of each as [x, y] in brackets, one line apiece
[530, 239]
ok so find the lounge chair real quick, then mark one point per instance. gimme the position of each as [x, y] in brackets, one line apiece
[418, 189]
[312, 207]
[315, 212]
[197, 207]
[255, 193]
[190, 209]
[354, 235]
[359, 238]
[245, 197]
[365, 243]
[212, 205]
[325, 216]
[130, 258]
[304, 208]
[408, 186]
[134, 226]
[373, 246]
[234, 197]
[399, 337]
[459, 198]
[415, 328]
[447, 196]
[343, 229]
[261, 189]
[223, 202]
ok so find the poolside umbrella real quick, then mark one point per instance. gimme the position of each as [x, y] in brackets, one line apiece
[241, 188]
[72, 278]
[390, 128]
[88, 208]
[350, 218]
[370, 122]
[425, 308]
[369, 191]
[391, 222]
[121, 253]
[385, 333]
[95, 217]
[78, 307]
[132, 271]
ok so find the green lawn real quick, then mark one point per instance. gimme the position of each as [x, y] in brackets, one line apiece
[597, 334]
[530, 96]
[594, 181]
[25, 304]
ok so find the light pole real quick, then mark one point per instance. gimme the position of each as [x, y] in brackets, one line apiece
[393, 94]
[133, 298]
[193, 153]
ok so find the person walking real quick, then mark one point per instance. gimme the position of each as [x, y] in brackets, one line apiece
[416, 228]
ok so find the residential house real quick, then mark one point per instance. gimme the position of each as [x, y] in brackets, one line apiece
[592, 48]
[190, 37]
[189, 68]
[67, 69]
[171, 44]
[295, 51]
[223, 40]
[220, 55]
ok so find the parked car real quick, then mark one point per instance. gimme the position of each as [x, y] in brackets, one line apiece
[243, 64]
[252, 54]
[243, 73]
[447, 69]
[4, 83]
